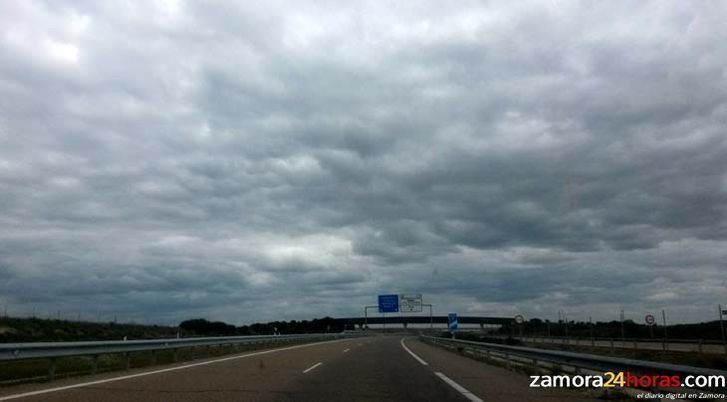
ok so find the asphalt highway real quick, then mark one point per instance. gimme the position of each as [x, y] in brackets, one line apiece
[379, 368]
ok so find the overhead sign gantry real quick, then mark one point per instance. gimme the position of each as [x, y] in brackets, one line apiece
[404, 303]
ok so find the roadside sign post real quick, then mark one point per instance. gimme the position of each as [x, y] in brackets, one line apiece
[666, 335]
[650, 320]
[452, 323]
[519, 319]
[563, 319]
[388, 304]
[590, 330]
[721, 326]
[431, 319]
[366, 316]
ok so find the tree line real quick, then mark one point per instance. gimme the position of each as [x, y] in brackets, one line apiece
[201, 326]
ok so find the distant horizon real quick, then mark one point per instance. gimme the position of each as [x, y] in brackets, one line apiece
[120, 319]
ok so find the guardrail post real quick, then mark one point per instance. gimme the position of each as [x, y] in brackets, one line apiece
[127, 361]
[635, 347]
[701, 341]
[175, 355]
[94, 364]
[612, 346]
[52, 369]
[507, 360]
[153, 357]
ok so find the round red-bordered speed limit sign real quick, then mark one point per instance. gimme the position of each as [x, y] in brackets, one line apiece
[649, 320]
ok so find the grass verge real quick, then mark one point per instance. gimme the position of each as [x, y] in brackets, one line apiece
[37, 370]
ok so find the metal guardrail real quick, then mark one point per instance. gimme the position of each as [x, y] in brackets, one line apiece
[673, 345]
[49, 350]
[52, 351]
[615, 339]
[578, 361]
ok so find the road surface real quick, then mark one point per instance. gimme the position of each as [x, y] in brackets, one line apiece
[380, 368]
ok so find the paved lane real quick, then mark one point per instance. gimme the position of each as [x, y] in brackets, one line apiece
[380, 368]
[490, 383]
[252, 376]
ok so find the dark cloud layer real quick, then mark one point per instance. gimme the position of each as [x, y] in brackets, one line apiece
[162, 160]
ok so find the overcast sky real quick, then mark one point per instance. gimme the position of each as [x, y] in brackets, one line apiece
[162, 160]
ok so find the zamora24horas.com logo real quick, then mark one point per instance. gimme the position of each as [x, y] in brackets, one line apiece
[623, 379]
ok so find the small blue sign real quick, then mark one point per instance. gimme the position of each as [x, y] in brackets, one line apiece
[452, 321]
[388, 303]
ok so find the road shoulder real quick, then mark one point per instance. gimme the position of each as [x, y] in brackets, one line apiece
[491, 383]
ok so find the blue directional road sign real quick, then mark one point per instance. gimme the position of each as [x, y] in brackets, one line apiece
[452, 321]
[388, 303]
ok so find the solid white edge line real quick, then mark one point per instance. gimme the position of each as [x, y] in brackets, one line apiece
[146, 373]
[312, 367]
[462, 390]
[419, 359]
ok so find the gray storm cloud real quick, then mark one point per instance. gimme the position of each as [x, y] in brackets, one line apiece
[164, 160]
